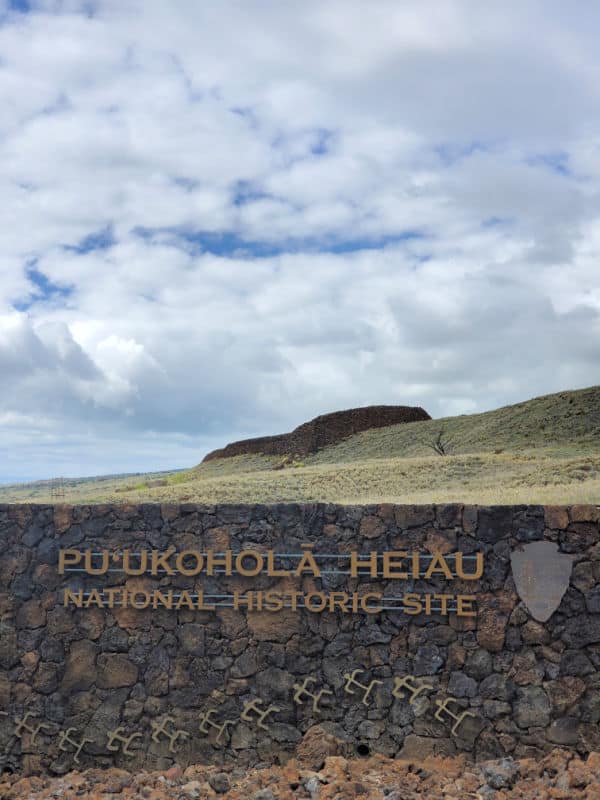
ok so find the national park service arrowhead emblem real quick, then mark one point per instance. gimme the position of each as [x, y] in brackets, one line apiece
[541, 574]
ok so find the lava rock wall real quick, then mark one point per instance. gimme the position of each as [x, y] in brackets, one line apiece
[101, 686]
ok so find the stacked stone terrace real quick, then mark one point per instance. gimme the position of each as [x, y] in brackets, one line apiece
[322, 431]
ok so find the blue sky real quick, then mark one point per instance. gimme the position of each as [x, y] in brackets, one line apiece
[220, 220]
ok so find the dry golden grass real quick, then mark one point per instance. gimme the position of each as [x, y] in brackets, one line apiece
[485, 478]
[546, 450]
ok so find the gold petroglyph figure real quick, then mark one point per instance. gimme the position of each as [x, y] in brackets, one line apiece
[408, 683]
[302, 691]
[367, 689]
[443, 707]
[22, 727]
[117, 737]
[206, 722]
[160, 729]
[253, 706]
[66, 738]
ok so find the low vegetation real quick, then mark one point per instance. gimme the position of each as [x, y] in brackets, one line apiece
[545, 450]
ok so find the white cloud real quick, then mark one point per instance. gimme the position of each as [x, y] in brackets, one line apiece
[222, 219]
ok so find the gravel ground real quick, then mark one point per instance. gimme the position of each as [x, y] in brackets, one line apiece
[558, 775]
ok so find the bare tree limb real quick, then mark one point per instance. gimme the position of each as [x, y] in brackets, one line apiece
[441, 444]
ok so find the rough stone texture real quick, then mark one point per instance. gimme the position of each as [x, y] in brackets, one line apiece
[322, 431]
[114, 670]
[558, 775]
[493, 620]
[526, 687]
[532, 707]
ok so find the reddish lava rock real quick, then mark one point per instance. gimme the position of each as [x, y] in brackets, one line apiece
[560, 774]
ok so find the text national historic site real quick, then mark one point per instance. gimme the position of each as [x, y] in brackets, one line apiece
[394, 565]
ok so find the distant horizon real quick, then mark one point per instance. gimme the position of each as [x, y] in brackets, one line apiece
[92, 477]
[145, 472]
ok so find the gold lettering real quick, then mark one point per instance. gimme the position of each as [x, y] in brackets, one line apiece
[68, 558]
[271, 570]
[392, 560]
[184, 599]
[443, 598]
[145, 601]
[249, 571]
[438, 564]
[294, 597]
[202, 606]
[240, 600]
[212, 561]
[162, 560]
[273, 601]
[189, 554]
[128, 569]
[110, 595]
[416, 564]
[165, 599]
[472, 576]
[464, 605]
[307, 563]
[364, 604]
[338, 600]
[73, 597]
[320, 597]
[412, 603]
[356, 564]
[396, 564]
[94, 599]
[102, 569]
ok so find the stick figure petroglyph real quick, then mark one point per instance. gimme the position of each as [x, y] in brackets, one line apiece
[301, 690]
[206, 723]
[22, 727]
[443, 707]
[65, 738]
[117, 737]
[367, 689]
[408, 683]
[261, 715]
[160, 728]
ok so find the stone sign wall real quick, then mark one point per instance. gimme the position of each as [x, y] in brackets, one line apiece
[147, 635]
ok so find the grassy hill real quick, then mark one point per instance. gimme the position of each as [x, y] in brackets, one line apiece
[544, 450]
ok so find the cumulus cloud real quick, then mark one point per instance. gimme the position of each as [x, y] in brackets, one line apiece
[219, 220]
